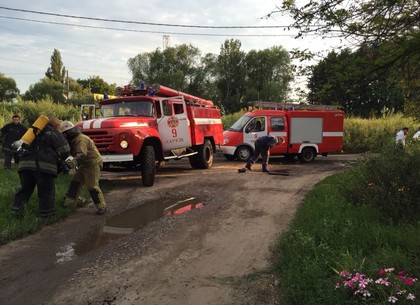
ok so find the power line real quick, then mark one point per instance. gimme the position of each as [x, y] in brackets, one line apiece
[146, 23]
[144, 31]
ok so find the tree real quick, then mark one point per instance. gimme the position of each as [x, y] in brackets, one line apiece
[373, 21]
[202, 83]
[96, 84]
[173, 67]
[269, 73]
[231, 79]
[46, 87]
[352, 81]
[8, 88]
[56, 71]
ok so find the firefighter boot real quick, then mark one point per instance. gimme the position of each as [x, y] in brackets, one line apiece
[70, 199]
[18, 210]
[98, 200]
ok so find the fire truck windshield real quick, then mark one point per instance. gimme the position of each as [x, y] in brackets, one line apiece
[239, 124]
[129, 108]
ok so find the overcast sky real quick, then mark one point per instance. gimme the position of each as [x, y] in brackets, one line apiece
[28, 39]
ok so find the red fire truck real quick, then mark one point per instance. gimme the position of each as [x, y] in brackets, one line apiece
[149, 124]
[303, 133]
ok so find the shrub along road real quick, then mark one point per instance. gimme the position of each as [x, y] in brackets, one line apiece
[217, 252]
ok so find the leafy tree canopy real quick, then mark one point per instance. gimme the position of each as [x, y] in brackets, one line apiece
[174, 66]
[56, 71]
[8, 88]
[350, 80]
[46, 88]
[366, 21]
[97, 85]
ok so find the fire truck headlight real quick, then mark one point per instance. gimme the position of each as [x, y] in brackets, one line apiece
[124, 144]
[225, 141]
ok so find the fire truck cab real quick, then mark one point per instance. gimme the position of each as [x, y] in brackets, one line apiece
[302, 133]
[147, 125]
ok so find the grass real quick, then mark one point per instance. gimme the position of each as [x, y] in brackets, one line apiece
[13, 228]
[330, 233]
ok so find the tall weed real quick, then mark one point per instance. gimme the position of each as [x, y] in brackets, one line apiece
[30, 111]
[372, 135]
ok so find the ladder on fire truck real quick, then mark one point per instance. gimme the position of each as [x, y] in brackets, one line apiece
[264, 105]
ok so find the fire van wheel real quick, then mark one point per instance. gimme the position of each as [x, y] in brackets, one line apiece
[204, 157]
[148, 169]
[243, 153]
[308, 154]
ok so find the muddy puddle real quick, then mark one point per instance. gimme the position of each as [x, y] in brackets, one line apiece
[125, 223]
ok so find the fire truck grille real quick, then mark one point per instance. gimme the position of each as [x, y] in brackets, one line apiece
[101, 138]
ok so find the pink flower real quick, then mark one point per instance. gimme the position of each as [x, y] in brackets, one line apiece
[344, 273]
[392, 299]
[363, 283]
[409, 281]
[382, 281]
[410, 297]
[337, 285]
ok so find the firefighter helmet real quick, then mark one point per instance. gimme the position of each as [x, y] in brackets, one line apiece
[65, 125]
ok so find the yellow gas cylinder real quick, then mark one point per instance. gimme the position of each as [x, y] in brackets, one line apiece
[35, 129]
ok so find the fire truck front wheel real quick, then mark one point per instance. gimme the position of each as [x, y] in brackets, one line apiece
[148, 165]
[243, 153]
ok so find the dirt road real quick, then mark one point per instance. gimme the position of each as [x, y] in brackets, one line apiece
[195, 237]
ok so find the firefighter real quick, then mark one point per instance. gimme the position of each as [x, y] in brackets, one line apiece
[262, 147]
[88, 163]
[11, 133]
[38, 167]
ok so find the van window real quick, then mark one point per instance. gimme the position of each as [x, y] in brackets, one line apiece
[277, 124]
[256, 125]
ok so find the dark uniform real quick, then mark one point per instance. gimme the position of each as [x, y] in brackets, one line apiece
[88, 163]
[11, 133]
[38, 167]
[262, 146]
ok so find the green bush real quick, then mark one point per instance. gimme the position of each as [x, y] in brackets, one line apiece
[389, 182]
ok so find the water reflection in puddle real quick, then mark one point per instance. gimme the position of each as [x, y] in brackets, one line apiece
[126, 223]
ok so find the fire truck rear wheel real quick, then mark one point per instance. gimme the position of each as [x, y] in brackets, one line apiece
[204, 157]
[243, 153]
[307, 154]
[148, 168]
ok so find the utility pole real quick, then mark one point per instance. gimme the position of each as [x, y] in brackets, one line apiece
[68, 86]
[166, 41]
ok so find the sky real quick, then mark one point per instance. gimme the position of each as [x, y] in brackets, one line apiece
[90, 46]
